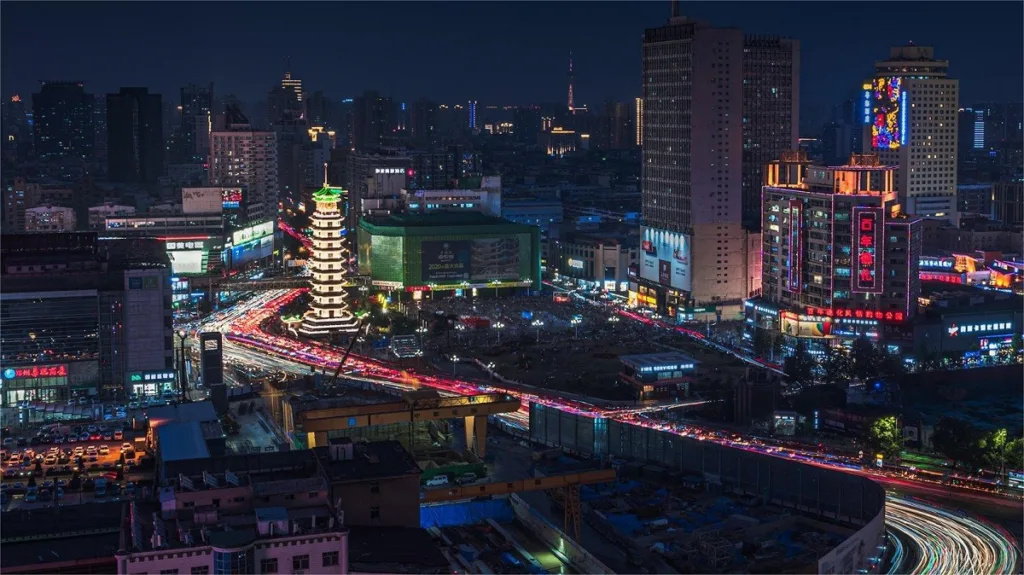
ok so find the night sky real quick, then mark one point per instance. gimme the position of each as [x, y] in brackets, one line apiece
[494, 52]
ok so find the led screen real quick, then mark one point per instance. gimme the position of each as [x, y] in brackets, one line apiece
[798, 326]
[187, 262]
[888, 113]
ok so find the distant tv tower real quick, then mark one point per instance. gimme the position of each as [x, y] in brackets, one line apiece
[572, 102]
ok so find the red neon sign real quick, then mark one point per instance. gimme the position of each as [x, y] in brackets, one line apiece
[856, 313]
[866, 227]
[38, 371]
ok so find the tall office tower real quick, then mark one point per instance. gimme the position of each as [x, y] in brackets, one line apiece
[241, 157]
[771, 112]
[910, 119]
[860, 279]
[371, 121]
[319, 111]
[329, 312]
[17, 134]
[285, 102]
[614, 127]
[196, 123]
[423, 125]
[472, 114]
[638, 120]
[693, 243]
[572, 80]
[99, 124]
[63, 121]
[135, 140]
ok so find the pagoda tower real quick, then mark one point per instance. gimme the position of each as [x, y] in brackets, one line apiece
[329, 313]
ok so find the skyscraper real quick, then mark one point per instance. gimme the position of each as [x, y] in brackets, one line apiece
[910, 119]
[196, 123]
[692, 239]
[135, 142]
[371, 120]
[63, 127]
[241, 157]
[771, 112]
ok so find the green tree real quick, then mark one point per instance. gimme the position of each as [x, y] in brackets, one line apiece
[1016, 345]
[1015, 454]
[1000, 451]
[886, 437]
[799, 367]
[863, 359]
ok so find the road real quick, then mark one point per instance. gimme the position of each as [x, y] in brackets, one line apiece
[242, 327]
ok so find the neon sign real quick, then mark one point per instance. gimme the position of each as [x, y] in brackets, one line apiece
[955, 330]
[888, 127]
[36, 371]
[866, 226]
[795, 246]
[856, 313]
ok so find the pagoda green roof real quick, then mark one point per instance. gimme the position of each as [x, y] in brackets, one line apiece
[327, 194]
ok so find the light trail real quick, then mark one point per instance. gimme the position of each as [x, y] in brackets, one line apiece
[944, 542]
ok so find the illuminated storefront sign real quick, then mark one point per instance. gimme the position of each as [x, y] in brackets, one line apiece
[955, 330]
[948, 277]
[387, 285]
[578, 264]
[668, 367]
[151, 377]
[937, 263]
[231, 198]
[186, 245]
[856, 313]
[252, 233]
[762, 309]
[867, 225]
[36, 371]
[795, 245]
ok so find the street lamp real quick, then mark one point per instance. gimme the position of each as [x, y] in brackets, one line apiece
[182, 381]
[455, 363]
[498, 326]
[537, 324]
[576, 324]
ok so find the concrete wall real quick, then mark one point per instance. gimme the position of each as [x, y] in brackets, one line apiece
[578, 557]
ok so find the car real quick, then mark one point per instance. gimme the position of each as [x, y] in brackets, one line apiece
[18, 485]
[95, 436]
[84, 436]
[73, 438]
[32, 496]
[108, 436]
[50, 460]
[61, 483]
[104, 450]
[118, 435]
[83, 401]
[126, 446]
[59, 494]
[8, 441]
[79, 450]
[10, 472]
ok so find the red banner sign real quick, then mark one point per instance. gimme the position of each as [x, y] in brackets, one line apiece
[856, 313]
[38, 371]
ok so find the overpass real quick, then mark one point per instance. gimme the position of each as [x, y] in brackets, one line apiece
[318, 419]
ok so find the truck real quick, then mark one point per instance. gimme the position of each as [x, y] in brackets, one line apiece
[101, 487]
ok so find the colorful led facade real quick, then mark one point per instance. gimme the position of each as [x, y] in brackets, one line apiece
[887, 100]
[329, 312]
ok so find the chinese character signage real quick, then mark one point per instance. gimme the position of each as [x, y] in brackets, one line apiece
[856, 313]
[36, 372]
[162, 376]
[867, 227]
[795, 246]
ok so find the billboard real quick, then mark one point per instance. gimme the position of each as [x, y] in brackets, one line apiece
[480, 259]
[795, 246]
[231, 198]
[867, 233]
[189, 256]
[201, 200]
[887, 100]
[666, 258]
[252, 233]
[805, 326]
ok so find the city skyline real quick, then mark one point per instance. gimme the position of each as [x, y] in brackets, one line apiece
[834, 59]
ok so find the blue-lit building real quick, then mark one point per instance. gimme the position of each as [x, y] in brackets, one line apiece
[659, 375]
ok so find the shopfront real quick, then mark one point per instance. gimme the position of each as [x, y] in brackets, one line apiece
[35, 383]
[151, 383]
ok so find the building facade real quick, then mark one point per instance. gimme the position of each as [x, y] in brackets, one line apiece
[49, 219]
[910, 110]
[135, 138]
[839, 259]
[241, 157]
[329, 313]
[62, 115]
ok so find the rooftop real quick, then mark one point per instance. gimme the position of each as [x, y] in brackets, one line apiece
[374, 550]
[181, 440]
[653, 360]
[198, 411]
[74, 533]
[368, 461]
[439, 220]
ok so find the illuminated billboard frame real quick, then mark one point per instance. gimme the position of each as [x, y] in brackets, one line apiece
[665, 258]
[796, 247]
[231, 198]
[868, 225]
[885, 109]
[252, 233]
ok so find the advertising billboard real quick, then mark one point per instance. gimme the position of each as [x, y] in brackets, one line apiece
[795, 245]
[231, 198]
[666, 258]
[803, 326]
[867, 233]
[188, 256]
[888, 117]
[480, 259]
[252, 233]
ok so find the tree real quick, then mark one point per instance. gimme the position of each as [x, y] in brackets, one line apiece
[1016, 345]
[762, 343]
[863, 359]
[1015, 454]
[835, 365]
[958, 440]
[886, 437]
[1001, 452]
[799, 367]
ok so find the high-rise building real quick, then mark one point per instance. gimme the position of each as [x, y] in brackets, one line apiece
[472, 114]
[135, 142]
[694, 144]
[371, 121]
[241, 157]
[910, 119]
[1008, 203]
[196, 123]
[17, 134]
[329, 312]
[572, 80]
[839, 258]
[615, 128]
[639, 120]
[63, 121]
[423, 125]
[771, 112]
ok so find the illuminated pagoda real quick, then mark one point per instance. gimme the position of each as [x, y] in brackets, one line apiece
[329, 313]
